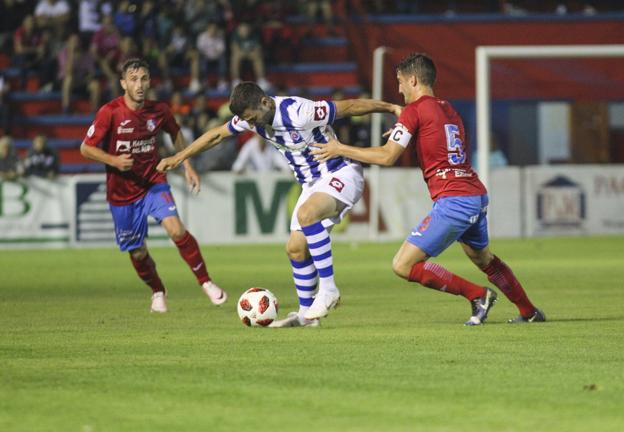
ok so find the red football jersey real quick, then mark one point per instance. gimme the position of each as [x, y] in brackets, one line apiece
[441, 148]
[120, 130]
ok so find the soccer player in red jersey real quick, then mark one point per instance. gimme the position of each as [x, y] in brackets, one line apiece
[460, 199]
[124, 137]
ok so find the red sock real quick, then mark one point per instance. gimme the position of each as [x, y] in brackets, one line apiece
[437, 277]
[146, 269]
[501, 275]
[189, 251]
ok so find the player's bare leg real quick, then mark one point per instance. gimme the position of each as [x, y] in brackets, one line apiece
[410, 262]
[317, 207]
[146, 269]
[190, 252]
[501, 275]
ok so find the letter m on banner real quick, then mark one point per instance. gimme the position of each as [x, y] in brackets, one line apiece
[247, 191]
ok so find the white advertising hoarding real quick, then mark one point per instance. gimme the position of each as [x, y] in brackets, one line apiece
[533, 201]
[574, 200]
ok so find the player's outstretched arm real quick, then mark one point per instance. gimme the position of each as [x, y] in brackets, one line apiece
[208, 140]
[192, 179]
[385, 155]
[122, 162]
[357, 107]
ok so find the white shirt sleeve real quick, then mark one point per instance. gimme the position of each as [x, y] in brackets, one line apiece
[237, 125]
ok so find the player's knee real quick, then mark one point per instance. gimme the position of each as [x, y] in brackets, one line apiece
[400, 268]
[296, 251]
[139, 254]
[305, 216]
[177, 234]
[482, 258]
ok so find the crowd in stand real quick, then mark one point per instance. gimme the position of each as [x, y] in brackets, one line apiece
[76, 46]
[40, 161]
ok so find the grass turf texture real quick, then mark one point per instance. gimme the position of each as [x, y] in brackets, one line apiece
[79, 350]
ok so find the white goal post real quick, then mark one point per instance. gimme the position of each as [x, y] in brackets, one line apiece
[482, 73]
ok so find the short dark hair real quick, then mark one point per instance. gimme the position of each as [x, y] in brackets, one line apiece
[133, 63]
[421, 66]
[246, 95]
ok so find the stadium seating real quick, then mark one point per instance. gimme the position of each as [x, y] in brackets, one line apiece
[324, 65]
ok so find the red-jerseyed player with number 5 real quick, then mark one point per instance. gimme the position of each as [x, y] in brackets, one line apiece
[124, 137]
[460, 199]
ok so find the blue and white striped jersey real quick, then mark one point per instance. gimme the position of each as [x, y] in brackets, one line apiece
[298, 122]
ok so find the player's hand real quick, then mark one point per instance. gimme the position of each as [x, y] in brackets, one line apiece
[396, 110]
[123, 162]
[387, 133]
[167, 164]
[324, 152]
[192, 179]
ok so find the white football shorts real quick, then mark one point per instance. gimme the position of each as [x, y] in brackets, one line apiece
[346, 185]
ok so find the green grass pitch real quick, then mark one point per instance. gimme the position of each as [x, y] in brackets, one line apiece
[79, 350]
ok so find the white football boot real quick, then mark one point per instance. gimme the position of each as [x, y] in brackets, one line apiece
[159, 305]
[294, 320]
[216, 295]
[324, 301]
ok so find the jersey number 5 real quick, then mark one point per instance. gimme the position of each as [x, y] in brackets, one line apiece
[455, 146]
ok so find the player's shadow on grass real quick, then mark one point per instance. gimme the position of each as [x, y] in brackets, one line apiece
[572, 319]
[559, 320]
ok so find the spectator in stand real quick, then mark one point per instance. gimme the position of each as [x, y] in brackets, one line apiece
[246, 46]
[257, 155]
[342, 125]
[41, 161]
[199, 13]
[53, 15]
[76, 73]
[218, 158]
[30, 47]
[4, 105]
[200, 106]
[312, 9]
[12, 14]
[185, 130]
[148, 20]
[125, 18]
[279, 40]
[148, 29]
[105, 50]
[179, 52]
[211, 49]
[90, 17]
[9, 165]
[127, 50]
[179, 105]
[360, 128]
[200, 114]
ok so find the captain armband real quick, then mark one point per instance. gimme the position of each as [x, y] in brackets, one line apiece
[400, 135]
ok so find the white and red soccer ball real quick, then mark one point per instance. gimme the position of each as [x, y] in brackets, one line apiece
[257, 307]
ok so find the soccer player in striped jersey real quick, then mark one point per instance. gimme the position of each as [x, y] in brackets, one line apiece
[329, 188]
[460, 199]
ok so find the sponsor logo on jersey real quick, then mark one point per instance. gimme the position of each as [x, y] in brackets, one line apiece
[424, 224]
[91, 131]
[136, 146]
[151, 125]
[296, 136]
[336, 184]
[320, 112]
[122, 146]
[124, 130]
